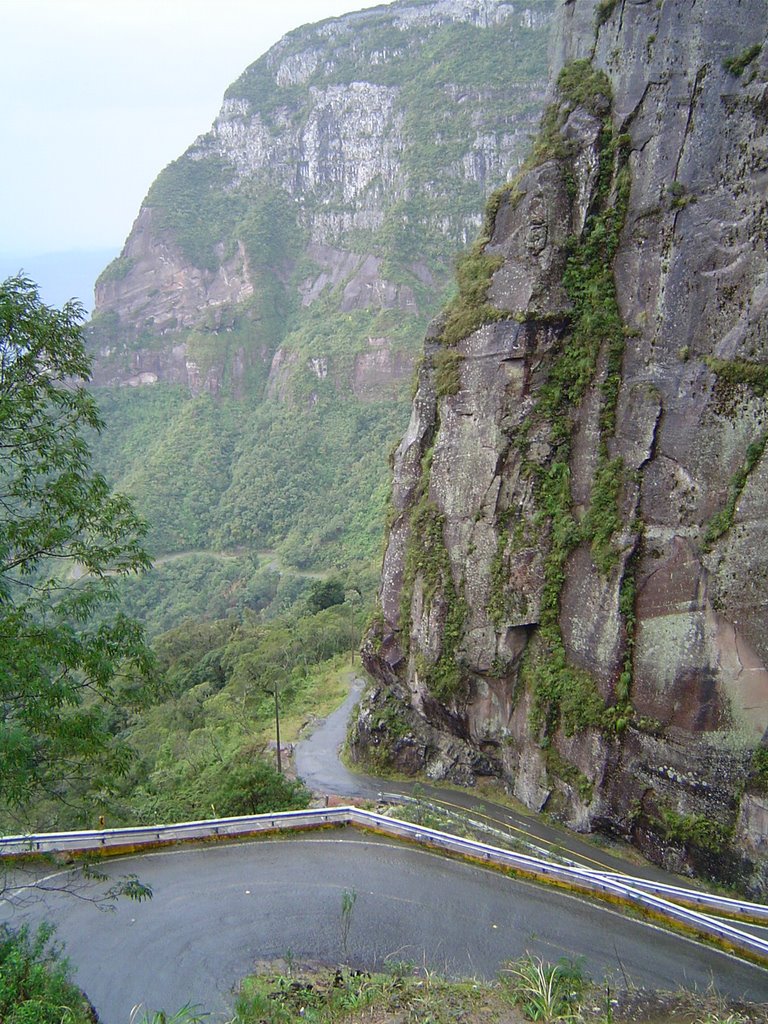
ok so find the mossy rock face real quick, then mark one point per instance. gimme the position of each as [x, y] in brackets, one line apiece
[623, 441]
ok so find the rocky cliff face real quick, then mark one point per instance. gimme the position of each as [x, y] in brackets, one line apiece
[575, 582]
[345, 168]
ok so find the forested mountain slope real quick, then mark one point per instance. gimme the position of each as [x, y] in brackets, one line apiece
[256, 337]
[575, 585]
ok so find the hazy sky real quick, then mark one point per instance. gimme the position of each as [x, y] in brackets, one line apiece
[97, 96]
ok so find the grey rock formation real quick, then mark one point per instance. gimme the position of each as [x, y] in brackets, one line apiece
[345, 168]
[587, 623]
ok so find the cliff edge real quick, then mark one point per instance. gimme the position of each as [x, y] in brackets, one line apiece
[574, 587]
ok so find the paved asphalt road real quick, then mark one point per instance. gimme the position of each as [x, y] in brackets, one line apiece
[218, 909]
[318, 764]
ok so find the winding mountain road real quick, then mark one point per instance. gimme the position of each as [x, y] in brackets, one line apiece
[318, 764]
[217, 910]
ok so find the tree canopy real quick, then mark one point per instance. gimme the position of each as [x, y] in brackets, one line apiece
[66, 650]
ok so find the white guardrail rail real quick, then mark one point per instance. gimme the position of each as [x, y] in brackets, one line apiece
[653, 897]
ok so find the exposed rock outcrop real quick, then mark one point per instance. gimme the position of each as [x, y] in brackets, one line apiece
[575, 584]
[345, 168]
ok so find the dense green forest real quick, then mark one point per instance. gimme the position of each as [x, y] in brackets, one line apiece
[234, 605]
[257, 519]
[222, 475]
[246, 504]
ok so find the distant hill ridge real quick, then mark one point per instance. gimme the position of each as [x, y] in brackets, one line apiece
[345, 169]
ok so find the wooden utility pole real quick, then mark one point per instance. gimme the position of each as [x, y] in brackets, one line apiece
[276, 692]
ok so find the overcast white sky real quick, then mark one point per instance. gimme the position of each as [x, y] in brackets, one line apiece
[97, 96]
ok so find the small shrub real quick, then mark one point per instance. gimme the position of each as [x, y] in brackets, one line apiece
[693, 830]
[545, 992]
[603, 11]
[582, 85]
[737, 65]
[34, 980]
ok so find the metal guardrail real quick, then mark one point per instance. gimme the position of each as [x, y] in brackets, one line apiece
[693, 897]
[602, 884]
[152, 835]
[696, 898]
[599, 883]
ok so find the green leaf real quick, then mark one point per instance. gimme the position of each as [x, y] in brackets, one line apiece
[64, 540]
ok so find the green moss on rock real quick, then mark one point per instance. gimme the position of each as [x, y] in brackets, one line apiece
[560, 768]
[603, 519]
[723, 520]
[582, 85]
[427, 560]
[470, 310]
[737, 65]
[735, 373]
[447, 363]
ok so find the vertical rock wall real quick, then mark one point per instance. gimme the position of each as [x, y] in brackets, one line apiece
[345, 167]
[574, 588]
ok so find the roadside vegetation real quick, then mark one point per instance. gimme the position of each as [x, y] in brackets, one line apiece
[205, 745]
[528, 989]
[35, 985]
[35, 988]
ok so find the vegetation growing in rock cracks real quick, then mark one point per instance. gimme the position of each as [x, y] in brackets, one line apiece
[692, 831]
[737, 65]
[447, 366]
[603, 10]
[581, 84]
[758, 776]
[559, 768]
[505, 603]
[596, 326]
[732, 373]
[470, 310]
[427, 560]
[723, 520]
